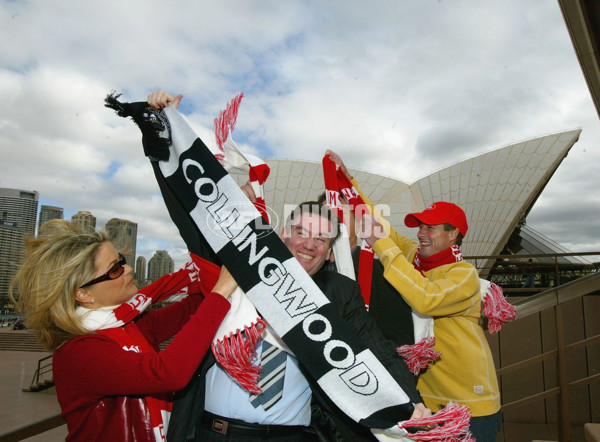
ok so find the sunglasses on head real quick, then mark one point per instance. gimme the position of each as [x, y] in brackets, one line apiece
[113, 273]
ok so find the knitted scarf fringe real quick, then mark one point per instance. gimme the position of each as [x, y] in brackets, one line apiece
[451, 425]
[420, 355]
[225, 123]
[112, 101]
[236, 353]
[496, 309]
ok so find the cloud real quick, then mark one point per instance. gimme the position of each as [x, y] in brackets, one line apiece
[400, 88]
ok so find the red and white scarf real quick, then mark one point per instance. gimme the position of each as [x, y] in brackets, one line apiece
[450, 255]
[233, 159]
[452, 422]
[117, 323]
[234, 346]
[421, 354]
[337, 185]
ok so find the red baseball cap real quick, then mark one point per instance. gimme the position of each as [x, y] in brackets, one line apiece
[439, 212]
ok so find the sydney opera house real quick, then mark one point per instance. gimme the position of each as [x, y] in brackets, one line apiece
[496, 189]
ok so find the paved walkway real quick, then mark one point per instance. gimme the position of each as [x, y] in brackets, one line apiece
[19, 409]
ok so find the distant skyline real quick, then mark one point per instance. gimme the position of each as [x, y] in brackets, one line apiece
[18, 217]
[397, 87]
[103, 228]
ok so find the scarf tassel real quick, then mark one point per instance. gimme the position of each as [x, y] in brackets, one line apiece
[156, 130]
[420, 355]
[497, 309]
[451, 424]
[236, 352]
[225, 123]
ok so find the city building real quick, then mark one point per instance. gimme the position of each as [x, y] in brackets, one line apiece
[85, 221]
[18, 213]
[123, 235]
[160, 264]
[140, 269]
[48, 213]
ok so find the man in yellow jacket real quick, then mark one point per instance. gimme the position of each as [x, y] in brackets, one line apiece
[434, 280]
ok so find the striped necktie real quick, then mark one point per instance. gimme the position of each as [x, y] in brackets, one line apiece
[273, 361]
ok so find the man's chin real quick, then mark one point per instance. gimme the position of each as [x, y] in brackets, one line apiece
[308, 270]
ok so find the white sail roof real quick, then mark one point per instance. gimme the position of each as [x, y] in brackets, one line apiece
[495, 189]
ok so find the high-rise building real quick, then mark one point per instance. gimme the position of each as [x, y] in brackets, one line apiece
[18, 211]
[48, 213]
[85, 221]
[123, 235]
[160, 264]
[140, 269]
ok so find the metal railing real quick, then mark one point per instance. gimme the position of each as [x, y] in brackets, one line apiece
[38, 382]
[509, 271]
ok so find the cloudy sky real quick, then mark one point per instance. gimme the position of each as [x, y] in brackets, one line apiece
[400, 87]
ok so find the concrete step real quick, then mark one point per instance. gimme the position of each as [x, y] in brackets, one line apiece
[40, 386]
[20, 340]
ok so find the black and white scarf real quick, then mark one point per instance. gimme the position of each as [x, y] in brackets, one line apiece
[213, 210]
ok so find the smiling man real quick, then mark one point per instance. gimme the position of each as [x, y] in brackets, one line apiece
[435, 236]
[435, 281]
[308, 236]
[309, 233]
[214, 406]
[218, 409]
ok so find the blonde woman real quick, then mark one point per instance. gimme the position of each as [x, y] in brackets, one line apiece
[112, 382]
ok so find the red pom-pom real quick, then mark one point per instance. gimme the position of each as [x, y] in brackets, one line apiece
[236, 353]
[420, 355]
[451, 424]
[496, 309]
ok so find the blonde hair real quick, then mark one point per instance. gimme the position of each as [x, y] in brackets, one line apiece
[56, 264]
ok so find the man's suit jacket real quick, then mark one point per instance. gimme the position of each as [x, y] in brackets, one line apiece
[387, 307]
[330, 422]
